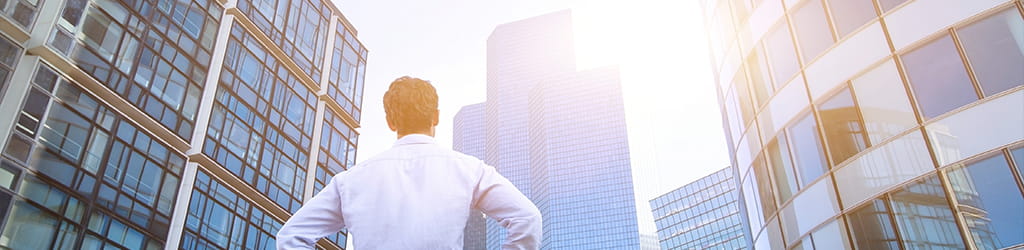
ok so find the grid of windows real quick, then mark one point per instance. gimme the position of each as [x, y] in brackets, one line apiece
[299, 27]
[262, 122]
[77, 173]
[89, 179]
[219, 218]
[586, 196]
[337, 154]
[337, 149]
[700, 215]
[22, 12]
[9, 55]
[154, 54]
[871, 121]
[345, 83]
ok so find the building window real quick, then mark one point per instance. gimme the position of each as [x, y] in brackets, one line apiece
[844, 129]
[23, 12]
[782, 167]
[781, 54]
[759, 78]
[345, 82]
[262, 122]
[884, 105]
[130, 178]
[9, 55]
[995, 49]
[923, 217]
[989, 202]
[219, 218]
[155, 56]
[871, 227]
[808, 155]
[812, 31]
[938, 78]
[851, 15]
[888, 5]
[764, 187]
[298, 27]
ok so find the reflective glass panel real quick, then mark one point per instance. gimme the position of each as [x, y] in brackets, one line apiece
[9, 54]
[784, 107]
[995, 48]
[844, 130]
[849, 15]
[889, 4]
[764, 186]
[883, 167]
[883, 102]
[782, 168]
[815, 205]
[812, 31]
[781, 54]
[807, 151]
[871, 227]
[759, 80]
[751, 199]
[831, 236]
[978, 129]
[923, 216]
[938, 77]
[990, 202]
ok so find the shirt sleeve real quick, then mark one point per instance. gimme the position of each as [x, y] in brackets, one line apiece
[499, 199]
[317, 218]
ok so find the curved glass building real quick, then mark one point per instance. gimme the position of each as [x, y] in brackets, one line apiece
[874, 124]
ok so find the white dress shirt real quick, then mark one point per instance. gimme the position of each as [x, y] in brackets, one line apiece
[416, 195]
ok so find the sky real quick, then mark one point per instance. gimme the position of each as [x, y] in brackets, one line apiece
[672, 114]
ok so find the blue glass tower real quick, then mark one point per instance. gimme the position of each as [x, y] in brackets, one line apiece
[559, 135]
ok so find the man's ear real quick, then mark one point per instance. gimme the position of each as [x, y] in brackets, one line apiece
[391, 126]
[437, 115]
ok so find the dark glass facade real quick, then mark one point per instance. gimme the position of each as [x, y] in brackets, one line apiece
[704, 214]
[220, 218]
[262, 122]
[154, 54]
[889, 127]
[83, 177]
[152, 124]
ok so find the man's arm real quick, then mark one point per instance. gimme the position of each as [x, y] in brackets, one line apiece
[499, 199]
[317, 218]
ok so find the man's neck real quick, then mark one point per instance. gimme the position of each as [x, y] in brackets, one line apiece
[426, 133]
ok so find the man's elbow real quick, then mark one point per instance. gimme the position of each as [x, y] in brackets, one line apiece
[288, 238]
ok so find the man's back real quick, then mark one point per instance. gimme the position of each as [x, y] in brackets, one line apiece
[417, 195]
[415, 190]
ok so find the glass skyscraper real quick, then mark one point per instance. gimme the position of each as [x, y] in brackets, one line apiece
[559, 135]
[186, 124]
[468, 138]
[704, 214]
[874, 124]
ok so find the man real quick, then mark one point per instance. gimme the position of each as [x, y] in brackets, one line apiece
[417, 195]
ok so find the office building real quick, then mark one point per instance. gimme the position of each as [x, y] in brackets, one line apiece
[887, 124]
[580, 173]
[468, 138]
[704, 214]
[171, 124]
[559, 136]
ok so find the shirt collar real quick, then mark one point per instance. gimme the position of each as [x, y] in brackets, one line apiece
[414, 139]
